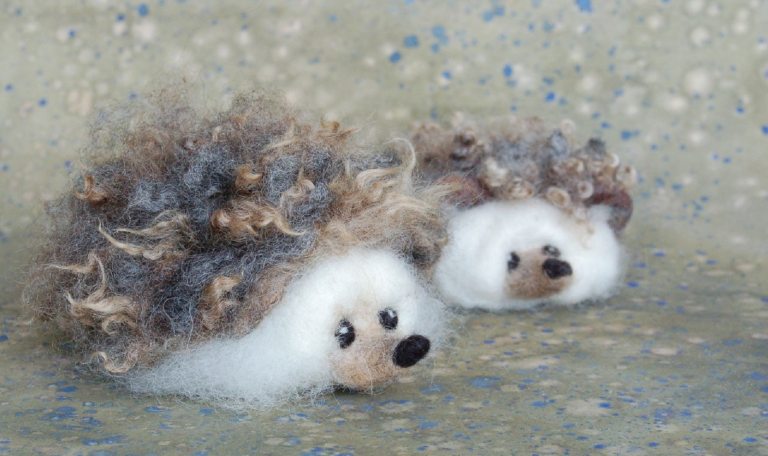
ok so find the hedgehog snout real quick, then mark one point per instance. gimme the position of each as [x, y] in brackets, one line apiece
[411, 350]
[556, 269]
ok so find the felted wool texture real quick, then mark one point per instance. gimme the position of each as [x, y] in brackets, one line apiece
[184, 226]
[473, 269]
[513, 159]
[294, 351]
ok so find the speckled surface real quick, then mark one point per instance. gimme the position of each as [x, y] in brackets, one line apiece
[676, 363]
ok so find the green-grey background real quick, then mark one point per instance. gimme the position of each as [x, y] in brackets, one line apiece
[676, 363]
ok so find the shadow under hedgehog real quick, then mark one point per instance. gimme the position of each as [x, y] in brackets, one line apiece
[535, 220]
[248, 257]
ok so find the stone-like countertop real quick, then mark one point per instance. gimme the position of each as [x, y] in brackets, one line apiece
[675, 363]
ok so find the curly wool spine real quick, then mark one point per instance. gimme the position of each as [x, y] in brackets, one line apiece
[91, 193]
[101, 309]
[245, 218]
[213, 302]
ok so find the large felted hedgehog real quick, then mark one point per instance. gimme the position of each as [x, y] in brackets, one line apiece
[537, 218]
[246, 257]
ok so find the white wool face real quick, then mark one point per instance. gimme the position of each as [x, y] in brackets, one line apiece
[473, 269]
[295, 350]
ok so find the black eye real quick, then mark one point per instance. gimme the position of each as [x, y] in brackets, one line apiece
[551, 250]
[345, 334]
[388, 318]
[513, 262]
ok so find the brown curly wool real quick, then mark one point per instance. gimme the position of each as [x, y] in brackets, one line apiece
[516, 159]
[183, 227]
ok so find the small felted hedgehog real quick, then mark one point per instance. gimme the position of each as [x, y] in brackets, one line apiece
[536, 219]
[247, 257]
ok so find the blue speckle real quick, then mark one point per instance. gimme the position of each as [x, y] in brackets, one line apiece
[431, 389]
[584, 5]
[732, 342]
[110, 440]
[60, 413]
[143, 9]
[605, 405]
[3, 337]
[428, 425]
[599, 446]
[663, 415]
[438, 32]
[653, 444]
[333, 18]
[550, 97]
[66, 389]
[447, 75]
[206, 411]
[154, 409]
[765, 129]
[539, 404]
[72, 33]
[395, 57]
[42, 102]
[485, 382]
[411, 41]
[633, 284]
[626, 135]
[120, 17]
[488, 15]
[507, 71]
[8, 87]
[750, 440]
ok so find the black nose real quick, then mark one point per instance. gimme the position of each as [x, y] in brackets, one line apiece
[410, 351]
[557, 268]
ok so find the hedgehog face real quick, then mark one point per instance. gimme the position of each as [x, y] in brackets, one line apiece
[515, 255]
[376, 318]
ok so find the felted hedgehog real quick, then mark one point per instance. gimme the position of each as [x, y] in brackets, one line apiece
[247, 257]
[536, 219]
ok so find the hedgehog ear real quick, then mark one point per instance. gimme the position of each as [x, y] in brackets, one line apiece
[619, 205]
